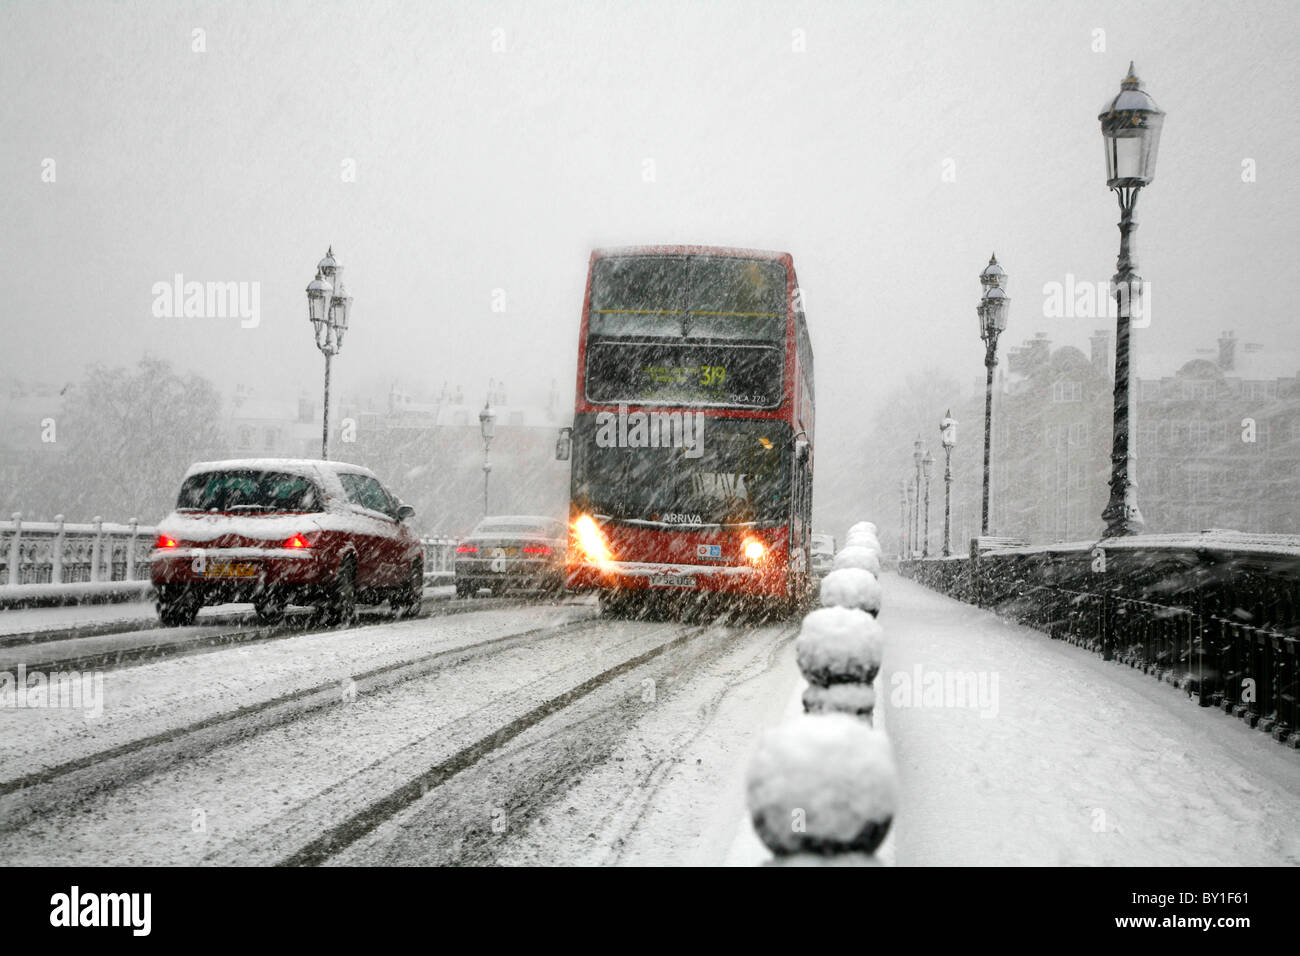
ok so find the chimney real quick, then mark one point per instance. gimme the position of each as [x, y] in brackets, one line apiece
[1227, 351]
[1040, 349]
[1100, 355]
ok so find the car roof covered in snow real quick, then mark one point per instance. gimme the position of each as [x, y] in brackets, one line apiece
[309, 467]
[492, 521]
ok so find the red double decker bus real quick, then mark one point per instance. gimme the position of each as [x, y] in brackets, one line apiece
[692, 433]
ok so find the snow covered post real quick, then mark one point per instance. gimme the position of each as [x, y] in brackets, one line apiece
[822, 790]
[14, 554]
[56, 562]
[97, 548]
[858, 556]
[839, 651]
[852, 587]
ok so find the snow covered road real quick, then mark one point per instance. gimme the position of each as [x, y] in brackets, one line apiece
[1067, 759]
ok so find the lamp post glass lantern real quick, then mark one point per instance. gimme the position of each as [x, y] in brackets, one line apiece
[992, 311]
[328, 308]
[487, 420]
[948, 437]
[1130, 129]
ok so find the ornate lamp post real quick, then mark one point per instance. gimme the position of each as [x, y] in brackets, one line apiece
[927, 466]
[993, 322]
[328, 305]
[487, 423]
[1130, 127]
[948, 436]
[917, 455]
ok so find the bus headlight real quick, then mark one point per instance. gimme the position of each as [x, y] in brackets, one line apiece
[754, 550]
[591, 540]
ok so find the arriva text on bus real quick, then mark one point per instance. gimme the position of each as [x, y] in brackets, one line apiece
[651, 429]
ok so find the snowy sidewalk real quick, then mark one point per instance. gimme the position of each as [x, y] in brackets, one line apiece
[1061, 758]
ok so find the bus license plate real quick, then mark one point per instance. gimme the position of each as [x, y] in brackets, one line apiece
[672, 580]
[230, 569]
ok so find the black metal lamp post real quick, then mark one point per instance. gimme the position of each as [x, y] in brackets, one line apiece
[948, 436]
[1130, 126]
[927, 466]
[487, 423]
[993, 322]
[917, 455]
[328, 305]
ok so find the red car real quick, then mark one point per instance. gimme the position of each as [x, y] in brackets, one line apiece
[284, 531]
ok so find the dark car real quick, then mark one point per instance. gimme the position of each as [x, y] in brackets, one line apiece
[512, 552]
[823, 555]
[284, 531]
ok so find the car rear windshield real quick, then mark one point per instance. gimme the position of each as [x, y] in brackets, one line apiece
[249, 490]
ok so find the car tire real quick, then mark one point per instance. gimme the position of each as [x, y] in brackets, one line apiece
[340, 606]
[178, 609]
[464, 589]
[269, 609]
[406, 599]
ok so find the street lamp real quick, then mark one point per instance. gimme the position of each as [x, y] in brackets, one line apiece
[992, 312]
[927, 466]
[918, 454]
[487, 423]
[1130, 128]
[948, 436]
[328, 305]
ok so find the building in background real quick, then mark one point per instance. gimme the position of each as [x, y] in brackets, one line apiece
[1217, 440]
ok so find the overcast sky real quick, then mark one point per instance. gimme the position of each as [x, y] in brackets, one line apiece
[823, 129]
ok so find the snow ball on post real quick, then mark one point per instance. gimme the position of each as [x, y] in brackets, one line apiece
[858, 557]
[861, 539]
[839, 645]
[852, 587]
[822, 785]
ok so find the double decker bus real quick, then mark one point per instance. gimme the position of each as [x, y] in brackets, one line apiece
[692, 433]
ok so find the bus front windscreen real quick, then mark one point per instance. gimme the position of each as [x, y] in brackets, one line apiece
[737, 474]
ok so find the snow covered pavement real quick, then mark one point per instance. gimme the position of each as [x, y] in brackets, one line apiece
[1055, 757]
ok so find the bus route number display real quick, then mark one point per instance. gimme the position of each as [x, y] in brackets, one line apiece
[748, 377]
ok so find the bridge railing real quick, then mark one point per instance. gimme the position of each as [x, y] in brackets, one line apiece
[1217, 614]
[59, 552]
[99, 552]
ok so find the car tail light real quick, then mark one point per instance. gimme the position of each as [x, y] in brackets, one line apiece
[537, 550]
[164, 542]
[298, 541]
[466, 549]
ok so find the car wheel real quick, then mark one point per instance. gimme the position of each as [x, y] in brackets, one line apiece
[464, 589]
[406, 599]
[340, 607]
[178, 608]
[269, 608]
